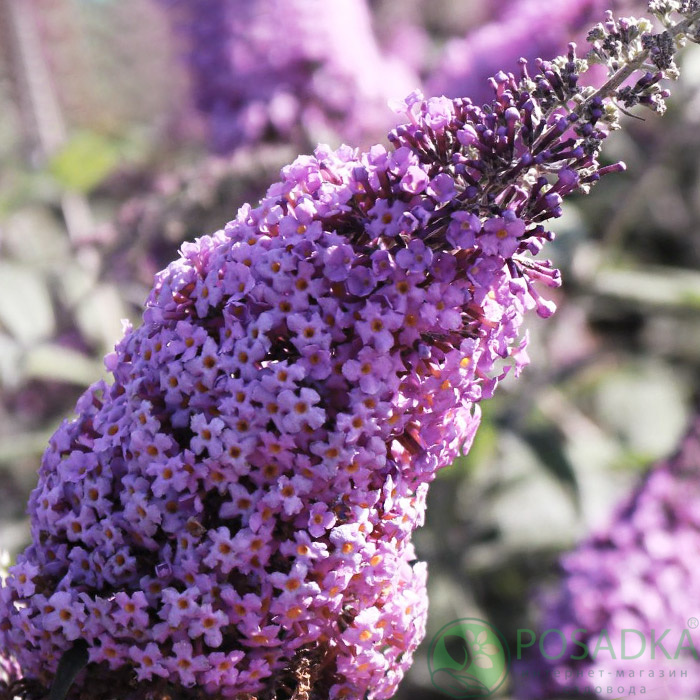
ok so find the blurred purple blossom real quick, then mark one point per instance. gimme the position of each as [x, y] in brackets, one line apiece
[638, 574]
[522, 29]
[299, 70]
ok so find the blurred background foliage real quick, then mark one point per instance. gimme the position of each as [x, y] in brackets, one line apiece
[104, 171]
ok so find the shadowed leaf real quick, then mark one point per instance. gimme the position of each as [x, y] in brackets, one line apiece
[549, 445]
[70, 665]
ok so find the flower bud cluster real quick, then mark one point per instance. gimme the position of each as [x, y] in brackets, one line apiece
[233, 514]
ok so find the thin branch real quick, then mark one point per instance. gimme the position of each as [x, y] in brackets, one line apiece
[608, 88]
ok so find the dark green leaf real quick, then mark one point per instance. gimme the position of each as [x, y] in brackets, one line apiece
[549, 445]
[71, 664]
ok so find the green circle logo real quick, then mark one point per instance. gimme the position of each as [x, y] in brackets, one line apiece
[468, 658]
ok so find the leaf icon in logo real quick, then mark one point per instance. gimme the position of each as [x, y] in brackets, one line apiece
[458, 650]
[459, 685]
[468, 658]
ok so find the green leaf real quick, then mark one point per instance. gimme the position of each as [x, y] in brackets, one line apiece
[16, 448]
[650, 287]
[26, 310]
[549, 445]
[99, 315]
[84, 161]
[458, 685]
[63, 364]
[10, 361]
[71, 664]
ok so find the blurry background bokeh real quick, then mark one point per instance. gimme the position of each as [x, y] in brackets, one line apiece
[129, 126]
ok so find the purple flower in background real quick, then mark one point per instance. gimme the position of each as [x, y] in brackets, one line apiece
[638, 574]
[295, 70]
[520, 29]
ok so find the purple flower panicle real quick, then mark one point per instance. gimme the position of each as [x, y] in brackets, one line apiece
[252, 476]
